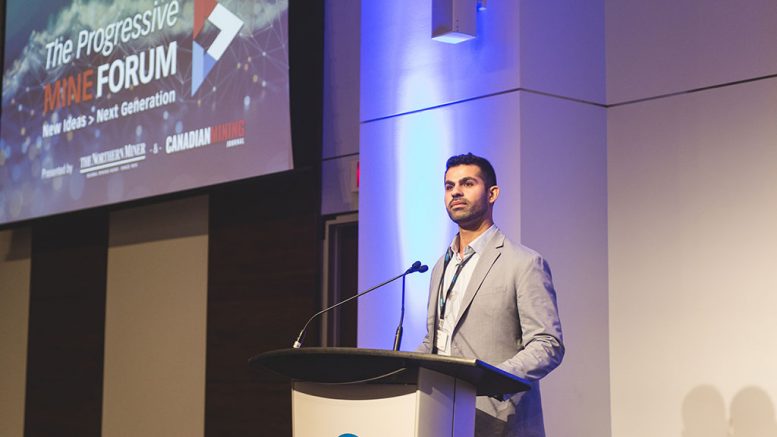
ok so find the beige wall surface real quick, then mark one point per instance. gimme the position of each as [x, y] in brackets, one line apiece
[667, 46]
[14, 317]
[155, 320]
[693, 250]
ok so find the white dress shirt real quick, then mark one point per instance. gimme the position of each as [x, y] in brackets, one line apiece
[453, 301]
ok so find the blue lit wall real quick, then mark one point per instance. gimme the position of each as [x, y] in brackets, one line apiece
[524, 93]
[402, 214]
[411, 124]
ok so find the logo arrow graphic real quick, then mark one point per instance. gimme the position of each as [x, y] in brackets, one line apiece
[203, 60]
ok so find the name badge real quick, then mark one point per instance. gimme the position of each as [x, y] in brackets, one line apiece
[442, 340]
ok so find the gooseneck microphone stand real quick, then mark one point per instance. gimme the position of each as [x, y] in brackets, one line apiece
[416, 267]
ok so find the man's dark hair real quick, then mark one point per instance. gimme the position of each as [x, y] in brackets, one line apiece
[486, 169]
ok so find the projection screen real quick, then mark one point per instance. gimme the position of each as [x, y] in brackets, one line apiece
[109, 101]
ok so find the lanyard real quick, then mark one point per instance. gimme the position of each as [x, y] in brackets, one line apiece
[443, 299]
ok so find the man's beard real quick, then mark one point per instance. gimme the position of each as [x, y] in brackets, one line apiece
[468, 215]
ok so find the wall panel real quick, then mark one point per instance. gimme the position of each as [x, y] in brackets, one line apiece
[341, 77]
[692, 186]
[564, 217]
[665, 46]
[66, 325]
[562, 48]
[263, 272]
[155, 320]
[14, 319]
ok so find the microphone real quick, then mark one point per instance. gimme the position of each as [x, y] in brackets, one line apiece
[416, 267]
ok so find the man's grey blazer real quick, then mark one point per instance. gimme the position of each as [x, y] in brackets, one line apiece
[508, 317]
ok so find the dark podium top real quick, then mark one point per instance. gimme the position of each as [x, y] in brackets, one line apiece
[341, 365]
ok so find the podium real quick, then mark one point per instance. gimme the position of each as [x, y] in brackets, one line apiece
[368, 392]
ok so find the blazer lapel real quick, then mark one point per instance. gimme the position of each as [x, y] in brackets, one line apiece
[486, 261]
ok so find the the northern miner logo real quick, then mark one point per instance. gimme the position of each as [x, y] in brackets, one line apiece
[212, 36]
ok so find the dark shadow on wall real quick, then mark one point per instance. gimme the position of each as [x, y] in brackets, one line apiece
[751, 414]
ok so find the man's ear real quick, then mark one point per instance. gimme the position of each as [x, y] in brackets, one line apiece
[493, 193]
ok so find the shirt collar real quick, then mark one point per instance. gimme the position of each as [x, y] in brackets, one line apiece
[477, 245]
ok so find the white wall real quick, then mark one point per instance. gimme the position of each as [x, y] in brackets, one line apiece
[692, 182]
[693, 245]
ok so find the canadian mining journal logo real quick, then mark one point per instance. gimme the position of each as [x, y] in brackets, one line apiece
[215, 27]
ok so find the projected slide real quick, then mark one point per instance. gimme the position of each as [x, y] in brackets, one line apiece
[108, 101]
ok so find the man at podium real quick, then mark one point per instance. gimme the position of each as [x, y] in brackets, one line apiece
[493, 300]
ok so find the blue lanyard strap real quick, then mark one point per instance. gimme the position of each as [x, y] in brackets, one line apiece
[443, 299]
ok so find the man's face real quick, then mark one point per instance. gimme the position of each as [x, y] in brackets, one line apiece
[467, 199]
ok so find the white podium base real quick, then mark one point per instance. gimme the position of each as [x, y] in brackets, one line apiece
[438, 405]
